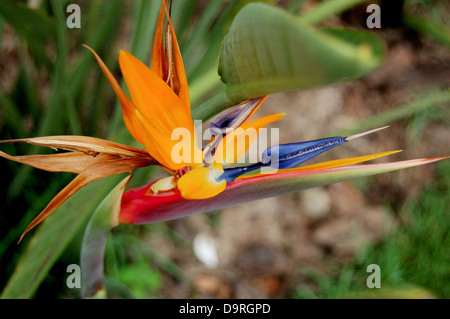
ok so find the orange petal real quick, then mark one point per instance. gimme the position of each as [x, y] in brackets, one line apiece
[160, 109]
[159, 58]
[183, 94]
[263, 121]
[139, 125]
[235, 144]
[255, 109]
[157, 63]
[152, 96]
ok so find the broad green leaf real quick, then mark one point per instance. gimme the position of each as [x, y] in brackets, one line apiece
[268, 50]
[105, 217]
[358, 39]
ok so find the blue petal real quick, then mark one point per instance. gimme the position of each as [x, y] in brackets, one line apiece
[285, 156]
[230, 174]
[290, 155]
[233, 117]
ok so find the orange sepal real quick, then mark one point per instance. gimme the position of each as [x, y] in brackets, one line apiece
[235, 144]
[325, 165]
[158, 64]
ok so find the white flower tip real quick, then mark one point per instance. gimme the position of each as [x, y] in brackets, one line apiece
[352, 137]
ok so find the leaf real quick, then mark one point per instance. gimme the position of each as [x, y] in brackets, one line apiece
[138, 207]
[357, 39]
[105, 217]
[85, 144]
[92, 173]
[267, 50]
[72, 162]
[98, 159]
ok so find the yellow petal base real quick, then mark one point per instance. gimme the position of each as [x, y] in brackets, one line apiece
[200, 183]
[163, 185]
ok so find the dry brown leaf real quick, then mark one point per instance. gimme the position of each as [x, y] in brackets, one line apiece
[91, 173]
[72, 162]
[85, 144]
[90, 157]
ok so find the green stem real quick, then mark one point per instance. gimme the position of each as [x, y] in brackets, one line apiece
[398, 113]
[436, 31]
[327, 9]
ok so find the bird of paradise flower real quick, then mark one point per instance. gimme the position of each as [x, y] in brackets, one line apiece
[159, 105]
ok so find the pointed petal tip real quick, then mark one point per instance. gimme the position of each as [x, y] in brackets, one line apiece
[21, 237]
[355, 136]
[90, 49]
[123, 55]
[435, 159]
